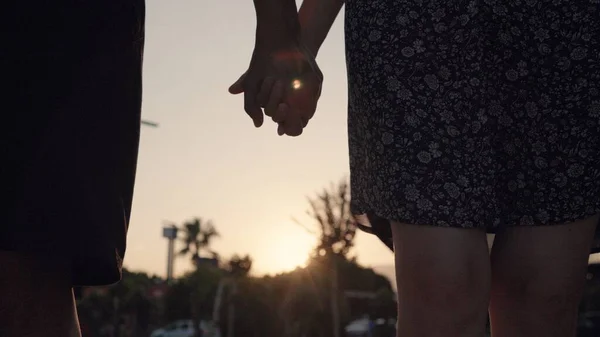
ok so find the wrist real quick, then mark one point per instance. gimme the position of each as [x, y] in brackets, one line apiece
[311, 46]
[268, 40]
[277, 36]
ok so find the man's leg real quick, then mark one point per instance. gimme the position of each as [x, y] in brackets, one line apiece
[36, 298]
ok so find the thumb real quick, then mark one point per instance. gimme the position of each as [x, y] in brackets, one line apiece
[238, 86]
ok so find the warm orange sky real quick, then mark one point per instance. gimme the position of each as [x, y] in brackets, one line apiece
[206, 159]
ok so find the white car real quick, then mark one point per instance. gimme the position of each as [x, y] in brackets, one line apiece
[185, 328]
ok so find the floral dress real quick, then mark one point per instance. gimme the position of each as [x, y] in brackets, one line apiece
[475, 113]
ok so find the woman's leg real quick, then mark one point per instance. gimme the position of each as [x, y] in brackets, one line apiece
[538, 274]
[443, 278]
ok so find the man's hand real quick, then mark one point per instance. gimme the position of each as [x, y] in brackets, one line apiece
[286, 82]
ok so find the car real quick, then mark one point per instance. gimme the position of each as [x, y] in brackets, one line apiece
[589, 324]
[185, 328]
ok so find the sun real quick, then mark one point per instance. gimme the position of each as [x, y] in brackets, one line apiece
[287, 251]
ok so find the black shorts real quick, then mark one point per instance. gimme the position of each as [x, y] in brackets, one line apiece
[70, 104]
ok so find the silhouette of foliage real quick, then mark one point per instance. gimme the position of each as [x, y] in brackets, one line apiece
[198, 235]
[330, 209]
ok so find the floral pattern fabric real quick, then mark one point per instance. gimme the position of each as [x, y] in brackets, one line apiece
[474, 113]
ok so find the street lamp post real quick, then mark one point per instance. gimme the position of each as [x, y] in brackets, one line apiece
[170, 233]
[149, 123]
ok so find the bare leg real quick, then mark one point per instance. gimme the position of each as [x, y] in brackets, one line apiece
[538, 274]
[443, 278]
[36, 297]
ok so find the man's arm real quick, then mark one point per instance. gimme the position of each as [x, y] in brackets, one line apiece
[316, 18]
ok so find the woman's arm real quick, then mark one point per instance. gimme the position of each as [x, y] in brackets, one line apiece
[277, 23]
[316, 18]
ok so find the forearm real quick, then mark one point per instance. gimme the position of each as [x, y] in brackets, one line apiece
[276, 22]
[316, 18]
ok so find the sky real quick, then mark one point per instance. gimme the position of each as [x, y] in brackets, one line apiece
[207, 160]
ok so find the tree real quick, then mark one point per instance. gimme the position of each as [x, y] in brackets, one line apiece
[126, 300]
[257, 303]
[337, 230]
[202, 284]
[198, 236]
[239, 268]
[337, 226]
[383, 304]
[297, 303]
[177, 301]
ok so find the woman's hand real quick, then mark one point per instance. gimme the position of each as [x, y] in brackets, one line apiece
[286, 82]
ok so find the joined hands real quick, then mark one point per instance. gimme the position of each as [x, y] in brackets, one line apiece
[285, 83]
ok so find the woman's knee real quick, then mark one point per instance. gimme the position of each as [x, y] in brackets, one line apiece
[461, 290]
[436, 301]
[552, 299]
[541, 269]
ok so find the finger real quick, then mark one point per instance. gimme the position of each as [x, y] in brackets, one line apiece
[293, 126]
[281, 113]
[265, 89]
[252, 108]
[280, 129]
[297, 107]
[304, 121]
[293, 129]
[304, 101]
[306, 96]
[275, 98]
[238, 86]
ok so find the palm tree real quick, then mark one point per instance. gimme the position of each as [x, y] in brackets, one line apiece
[198, 236]
[239, 267]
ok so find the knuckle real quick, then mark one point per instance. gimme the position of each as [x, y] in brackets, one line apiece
[272, 112]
